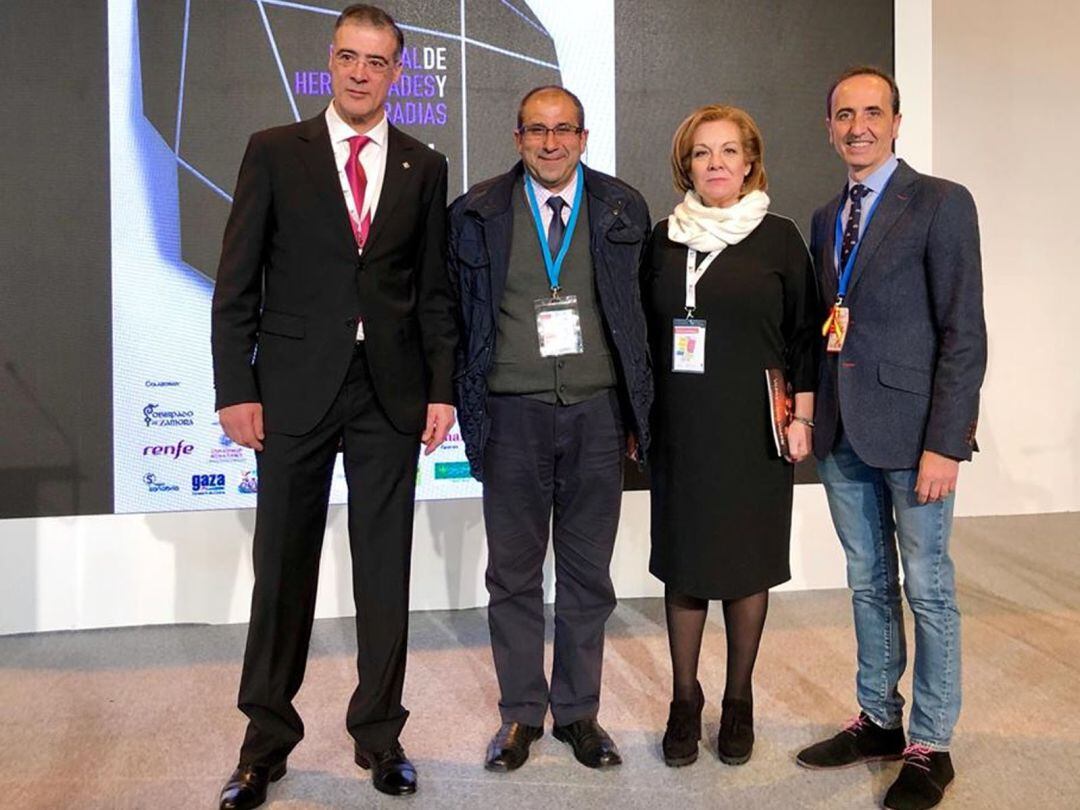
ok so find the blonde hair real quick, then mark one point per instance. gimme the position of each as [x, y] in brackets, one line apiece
[749, 135]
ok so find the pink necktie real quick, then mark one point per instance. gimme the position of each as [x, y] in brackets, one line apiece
[358, 184]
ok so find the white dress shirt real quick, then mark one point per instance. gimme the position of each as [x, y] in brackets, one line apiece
[545, 194]
[372, 158]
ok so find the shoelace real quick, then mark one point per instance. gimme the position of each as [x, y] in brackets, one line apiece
[855, 725]
[918, 756]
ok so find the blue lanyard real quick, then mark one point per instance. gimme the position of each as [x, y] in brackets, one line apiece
[845, 277]
[554, 266]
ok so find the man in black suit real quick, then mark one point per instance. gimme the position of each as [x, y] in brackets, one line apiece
[333, 327]
[898, 253]
[553, 377]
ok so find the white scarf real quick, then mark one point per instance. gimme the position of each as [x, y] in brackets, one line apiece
[705, 228]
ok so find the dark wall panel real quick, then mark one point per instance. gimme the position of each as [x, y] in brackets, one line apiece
[774, 58]
[55, 333]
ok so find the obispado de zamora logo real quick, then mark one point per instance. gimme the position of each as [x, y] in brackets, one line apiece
[156, 418]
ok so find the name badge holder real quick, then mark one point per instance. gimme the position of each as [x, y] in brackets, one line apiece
[688, 334]
[558, 320]
[837, 324]
[558, 325]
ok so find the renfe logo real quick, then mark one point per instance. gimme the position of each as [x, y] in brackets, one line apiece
[181, 448]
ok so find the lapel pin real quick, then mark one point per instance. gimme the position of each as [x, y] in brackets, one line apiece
[405, 165]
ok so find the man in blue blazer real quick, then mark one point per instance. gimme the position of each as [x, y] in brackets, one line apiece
[897, 256]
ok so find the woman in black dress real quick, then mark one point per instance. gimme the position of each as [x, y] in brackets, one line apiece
[729, 292]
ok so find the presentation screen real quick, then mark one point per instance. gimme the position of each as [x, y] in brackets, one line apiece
[190, 80]
[118, 173]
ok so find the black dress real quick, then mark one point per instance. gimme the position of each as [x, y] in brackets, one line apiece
[721, 497]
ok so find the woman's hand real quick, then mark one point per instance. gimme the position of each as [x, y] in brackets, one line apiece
[800, 437]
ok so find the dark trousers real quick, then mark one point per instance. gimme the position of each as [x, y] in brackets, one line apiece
[554, 467]
[294, 488]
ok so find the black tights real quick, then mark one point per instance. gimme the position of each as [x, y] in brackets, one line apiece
[744, 619]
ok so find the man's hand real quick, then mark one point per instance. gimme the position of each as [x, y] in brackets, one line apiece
[440, 418]
[243, 423]
[632, 447]
[800, 440]
[937, 477]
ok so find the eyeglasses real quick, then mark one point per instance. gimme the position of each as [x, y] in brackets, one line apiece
[538, 132]
[349, 60]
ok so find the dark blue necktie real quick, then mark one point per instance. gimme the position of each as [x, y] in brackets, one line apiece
[556, 230]
[851, 232]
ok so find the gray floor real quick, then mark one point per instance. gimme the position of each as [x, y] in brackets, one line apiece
[145, 718]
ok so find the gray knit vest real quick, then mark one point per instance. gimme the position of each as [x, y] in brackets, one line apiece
[518, 366]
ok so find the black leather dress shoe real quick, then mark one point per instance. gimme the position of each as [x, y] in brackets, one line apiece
[391, 771]
[246, 787]
[509, 748]
[592, 746]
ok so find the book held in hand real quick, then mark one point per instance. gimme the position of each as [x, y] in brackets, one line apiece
[780, 409]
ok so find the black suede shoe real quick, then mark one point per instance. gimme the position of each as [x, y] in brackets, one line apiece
[246, 787]
[922, 781]
[391, 771]
[735, 742]
[860, 741]
[680, 743]
[509, 748]
[592, 746]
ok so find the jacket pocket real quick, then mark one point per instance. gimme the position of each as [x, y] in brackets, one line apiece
[471, 251]
[473, 271]
[281, 323]
[625, 233]
[912, 380]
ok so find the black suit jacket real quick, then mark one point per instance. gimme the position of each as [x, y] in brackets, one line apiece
[909, 375]
[290, 284]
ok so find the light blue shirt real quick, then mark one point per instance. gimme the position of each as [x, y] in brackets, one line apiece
[875, 183]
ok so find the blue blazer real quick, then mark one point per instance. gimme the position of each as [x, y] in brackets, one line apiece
[909, 375]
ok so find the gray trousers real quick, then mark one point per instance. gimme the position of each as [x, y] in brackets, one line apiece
[557, 468]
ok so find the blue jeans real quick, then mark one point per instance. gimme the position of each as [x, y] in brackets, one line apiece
[874, 512]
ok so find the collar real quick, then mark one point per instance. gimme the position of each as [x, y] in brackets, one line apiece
[877, 180]
[493, 196]
[544, 194]
[340, 131]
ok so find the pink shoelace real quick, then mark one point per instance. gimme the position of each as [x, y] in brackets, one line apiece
[918, 755]
[855, 724]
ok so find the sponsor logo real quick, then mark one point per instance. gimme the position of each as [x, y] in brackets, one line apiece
[227, 450]
[153, 485]
[451, 470]
[181, 448]
[249, 482]
[208, 484]
[157, 418]
[162, 384]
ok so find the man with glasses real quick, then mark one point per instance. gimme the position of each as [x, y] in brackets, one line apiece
[333, 327]
[553, 385]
